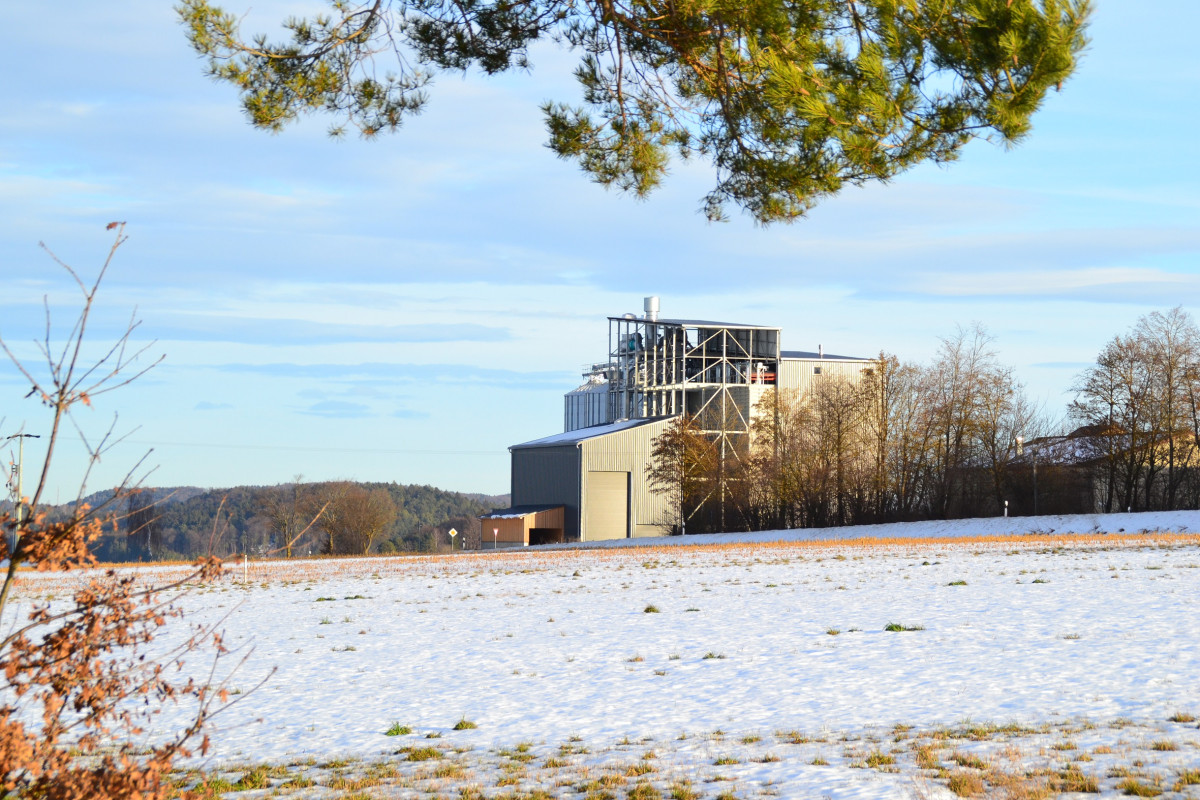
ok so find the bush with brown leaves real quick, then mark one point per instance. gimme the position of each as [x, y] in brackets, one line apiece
[80, 686]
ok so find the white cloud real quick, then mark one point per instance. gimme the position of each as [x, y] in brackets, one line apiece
[1055, 283]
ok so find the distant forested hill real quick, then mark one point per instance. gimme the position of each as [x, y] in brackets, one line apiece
[186, 522]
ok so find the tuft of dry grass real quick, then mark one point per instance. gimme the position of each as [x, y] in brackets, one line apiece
[1020, 786]
[965, 784]
[1135, 788]
[927, 757]
[344, 783]
[421, 753]
[643, 791]
[1074, 780]
[969, 760]
[1187, 777]
[682, 790]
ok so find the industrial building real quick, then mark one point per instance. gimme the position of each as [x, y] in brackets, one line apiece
[590, 482]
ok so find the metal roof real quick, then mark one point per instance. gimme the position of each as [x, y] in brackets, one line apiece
[695, 323]
[518, 511]
[583, 434]
[806, 355]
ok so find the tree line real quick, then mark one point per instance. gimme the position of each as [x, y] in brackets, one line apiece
[292, 520]
[956, 437]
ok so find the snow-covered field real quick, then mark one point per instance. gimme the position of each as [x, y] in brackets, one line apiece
[1031, 666]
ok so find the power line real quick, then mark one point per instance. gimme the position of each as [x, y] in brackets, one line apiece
[339, 448]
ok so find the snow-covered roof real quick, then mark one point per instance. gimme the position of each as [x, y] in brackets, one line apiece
[591, 387]
[516, 512]
[582, 434]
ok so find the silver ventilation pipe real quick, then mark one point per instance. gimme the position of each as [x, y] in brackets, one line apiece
[651, 308]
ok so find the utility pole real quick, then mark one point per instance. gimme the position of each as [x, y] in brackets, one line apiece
[15, 535]
[1035, 497]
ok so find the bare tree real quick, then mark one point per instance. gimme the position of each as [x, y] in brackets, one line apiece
[1171, 343]
[144, 525]
[1138, 403]
[354, 517]
[684, 468]
[290, 511]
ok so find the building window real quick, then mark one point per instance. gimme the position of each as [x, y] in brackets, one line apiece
[816, 370]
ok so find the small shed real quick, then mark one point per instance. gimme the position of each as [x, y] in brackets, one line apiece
[521, 526]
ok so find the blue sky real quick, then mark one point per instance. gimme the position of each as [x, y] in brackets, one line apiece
[405, 309]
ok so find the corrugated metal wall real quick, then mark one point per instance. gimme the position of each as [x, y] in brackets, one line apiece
[800, 374]
[585, 407]
[629, 451]
[548, 476]
[606, 505]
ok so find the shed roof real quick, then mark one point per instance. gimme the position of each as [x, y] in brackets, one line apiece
[583, 434]
[518, 511]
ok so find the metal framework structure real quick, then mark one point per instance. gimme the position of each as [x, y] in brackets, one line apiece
[712, 371]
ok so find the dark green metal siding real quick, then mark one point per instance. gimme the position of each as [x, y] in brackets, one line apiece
[549, 476]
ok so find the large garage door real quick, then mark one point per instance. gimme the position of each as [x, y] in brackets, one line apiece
[607, 506]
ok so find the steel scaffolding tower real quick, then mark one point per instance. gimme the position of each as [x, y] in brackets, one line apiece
[712, 371]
